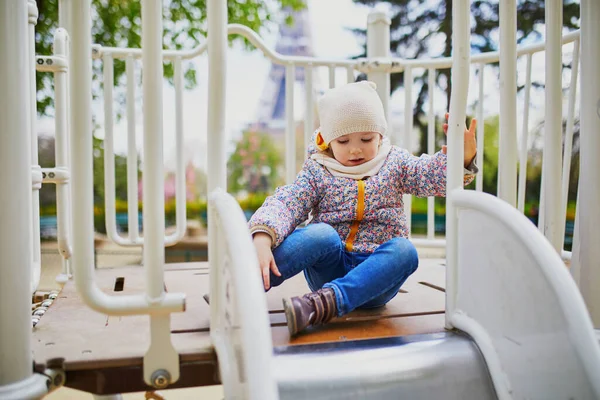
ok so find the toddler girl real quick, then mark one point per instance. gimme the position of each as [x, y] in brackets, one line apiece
[354, 251]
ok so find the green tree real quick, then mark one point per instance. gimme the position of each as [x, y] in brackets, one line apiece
[424, 29]
[255, 165]
[117, 23]
[46, 155]
[536, 154]
[490, 151]
[120, 174]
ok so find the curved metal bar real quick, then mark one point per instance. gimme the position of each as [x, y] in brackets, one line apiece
[568, 147]
[232, 29]
[238, 305]
[461, 321]
[393, 64]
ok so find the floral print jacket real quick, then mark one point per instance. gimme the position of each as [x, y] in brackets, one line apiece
[365, 213]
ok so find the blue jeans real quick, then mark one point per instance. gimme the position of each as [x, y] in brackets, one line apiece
[364, 280]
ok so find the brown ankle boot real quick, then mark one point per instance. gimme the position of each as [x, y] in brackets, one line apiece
[311, 309]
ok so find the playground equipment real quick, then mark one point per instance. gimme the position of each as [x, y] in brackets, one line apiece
[518, 326]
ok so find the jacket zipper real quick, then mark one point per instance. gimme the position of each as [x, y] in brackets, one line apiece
[360, 209]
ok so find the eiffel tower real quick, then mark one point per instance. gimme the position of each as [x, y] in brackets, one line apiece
[294, 40]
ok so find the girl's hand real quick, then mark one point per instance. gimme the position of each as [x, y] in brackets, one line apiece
[470, 142]
[266, 261]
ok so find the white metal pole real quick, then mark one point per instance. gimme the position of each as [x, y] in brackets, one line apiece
[161, 359]
[109, 157]
[524, 139]
[64, 16]
[461, 53]
[62, 150]
[331, 69]
[309, 116]
[552, 159]
[35, 198]
[407, 137]
[350, 74]
[217, 178]
[290, 127]
[378, 45]
[64, 21]
[507, 160]
[82, 178]
[180, 185]
[588, 211]
[132, 156]
[15, 229]
[152, 177]
[568, 147]
[431, 149]
[575, 247]
[480, 128]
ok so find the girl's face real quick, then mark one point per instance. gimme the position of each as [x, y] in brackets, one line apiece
[356, 148]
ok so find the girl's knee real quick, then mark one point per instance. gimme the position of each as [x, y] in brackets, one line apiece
[405, 252]
[322, 233]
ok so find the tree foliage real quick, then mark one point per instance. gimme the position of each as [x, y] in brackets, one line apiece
[117, 23]
[424, 29]
[46, 156]
[120, 173]
[255, 165]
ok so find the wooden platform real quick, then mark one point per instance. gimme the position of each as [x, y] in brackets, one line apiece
[103, 354]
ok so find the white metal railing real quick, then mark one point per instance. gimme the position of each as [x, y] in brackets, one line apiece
[134, 238]
[480, 61]
[379, 65]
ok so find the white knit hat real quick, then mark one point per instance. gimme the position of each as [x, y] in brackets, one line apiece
[355, 107]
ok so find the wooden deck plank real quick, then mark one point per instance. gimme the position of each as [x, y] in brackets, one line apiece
[86, 339]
